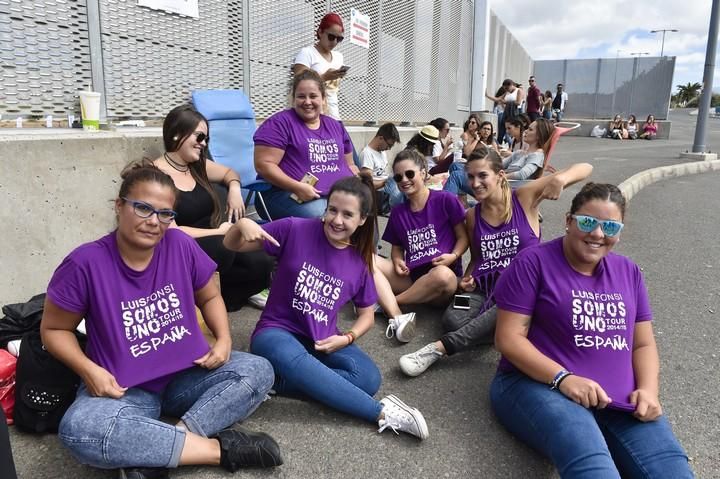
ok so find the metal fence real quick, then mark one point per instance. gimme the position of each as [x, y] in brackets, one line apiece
[146, 61]
[601, 88]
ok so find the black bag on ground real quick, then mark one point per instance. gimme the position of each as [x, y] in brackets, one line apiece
[21, 318]
[44, 388]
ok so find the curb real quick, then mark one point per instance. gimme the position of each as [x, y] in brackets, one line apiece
[638, 181]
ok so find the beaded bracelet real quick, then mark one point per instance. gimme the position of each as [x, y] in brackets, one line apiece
[234, 179]
[559, 377]
[352, 334]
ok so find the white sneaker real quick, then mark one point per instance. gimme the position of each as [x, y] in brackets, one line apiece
[402, 327]
[414, 364]
[398, 416]
[259, 300]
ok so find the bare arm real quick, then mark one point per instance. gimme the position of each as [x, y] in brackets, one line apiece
[550, 187]
[221, 174]
[246, 235]
[212, 306]
[267, 164]
[365, 321]
[646, 365]
[57, 334]
[511, 340]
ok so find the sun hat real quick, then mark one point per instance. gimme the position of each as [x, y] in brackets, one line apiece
[430, 133]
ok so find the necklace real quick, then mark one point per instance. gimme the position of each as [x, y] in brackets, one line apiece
[175, 165]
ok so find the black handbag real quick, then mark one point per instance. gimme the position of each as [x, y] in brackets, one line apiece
[44, 389]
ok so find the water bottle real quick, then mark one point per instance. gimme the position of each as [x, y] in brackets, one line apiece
[457, 149]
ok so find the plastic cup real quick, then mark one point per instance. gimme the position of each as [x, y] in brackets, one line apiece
[90, 110]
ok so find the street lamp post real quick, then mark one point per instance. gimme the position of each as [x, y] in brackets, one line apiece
[663, 30]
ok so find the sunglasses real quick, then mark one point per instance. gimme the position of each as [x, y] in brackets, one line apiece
[200, 137]
[338, 38]
[144, 210]
[587, 224]
[409, 174]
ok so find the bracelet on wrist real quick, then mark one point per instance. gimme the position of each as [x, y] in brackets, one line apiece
[233, 179]
[559, 377]
[349, 337]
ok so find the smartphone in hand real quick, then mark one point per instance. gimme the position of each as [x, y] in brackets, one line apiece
[308, 178]
[461, 301]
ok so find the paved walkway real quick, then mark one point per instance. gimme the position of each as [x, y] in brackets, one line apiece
[672, 229]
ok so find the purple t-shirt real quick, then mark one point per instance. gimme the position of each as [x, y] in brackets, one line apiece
[585, 323]
[313, 280]
[320, 152]
[141, 325]
[495, 246]
[428, 233]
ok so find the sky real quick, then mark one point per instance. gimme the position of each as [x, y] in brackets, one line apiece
[588, 29]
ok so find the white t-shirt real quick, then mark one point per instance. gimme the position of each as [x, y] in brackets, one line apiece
[374, 160]
[311, 58]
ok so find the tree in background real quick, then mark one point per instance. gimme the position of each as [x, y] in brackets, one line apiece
[686, 93]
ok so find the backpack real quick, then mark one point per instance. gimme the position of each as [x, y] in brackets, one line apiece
[44, 388]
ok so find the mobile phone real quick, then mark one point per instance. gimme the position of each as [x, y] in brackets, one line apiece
[308, 178]
[461, 301]
[344, 68]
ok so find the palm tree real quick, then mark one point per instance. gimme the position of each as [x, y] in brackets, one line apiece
[688, 92]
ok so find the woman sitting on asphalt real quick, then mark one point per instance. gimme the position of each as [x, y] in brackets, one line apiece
[322, 265]
[616, 128]
[578, 378]
[428, 238]
[298, 144]
[528, 163]
[502, 224]
[137, 289]
[243, 276]
[649, 128]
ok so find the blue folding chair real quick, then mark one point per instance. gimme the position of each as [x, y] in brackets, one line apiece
[232, 125]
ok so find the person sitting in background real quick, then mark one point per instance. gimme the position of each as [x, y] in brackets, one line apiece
[373, 161]
[547, 105]
[186, 136]
[325, 60]
[428, 238]
[442, 154]
[515, 128]
[301, 143]
[137, 289]
[298, 331]
[501, 215]
[471, 134]
[649, 128]
[616, 128]
[632, 128]
[580, 393]
[528, 163]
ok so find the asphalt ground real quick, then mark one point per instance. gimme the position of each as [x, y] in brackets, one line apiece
[672, 229]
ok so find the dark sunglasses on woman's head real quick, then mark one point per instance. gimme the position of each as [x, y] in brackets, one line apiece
[200, 137]
[332, 37]
[409, 174]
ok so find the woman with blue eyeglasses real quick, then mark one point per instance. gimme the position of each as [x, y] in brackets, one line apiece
[578, 378]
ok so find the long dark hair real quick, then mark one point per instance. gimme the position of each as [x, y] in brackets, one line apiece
[472, 116]
[490, 138]
[420, 144]
[179, 124]
[363, 239]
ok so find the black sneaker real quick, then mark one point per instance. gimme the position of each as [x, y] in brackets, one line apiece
[144, 473]
[243, 448]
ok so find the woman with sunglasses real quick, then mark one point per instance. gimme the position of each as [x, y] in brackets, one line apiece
[428, 238]
[186, 138]
[477, 134]
[500, 226]
[146, 357]
[322, 58]
[322, 265]
[578, 378]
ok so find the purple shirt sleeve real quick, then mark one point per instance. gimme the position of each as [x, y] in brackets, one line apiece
[280, 230]
[366, 294]
[68, 287]
[516, 290]
[273, 132]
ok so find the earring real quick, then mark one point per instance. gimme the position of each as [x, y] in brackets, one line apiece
[322, 219]
[175, 138]
[567, 229]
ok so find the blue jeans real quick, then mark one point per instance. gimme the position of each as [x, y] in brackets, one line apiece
[587, 443]
[345, 380]
[113, 433]
[280, 205]
[457, 181]
[395, 196]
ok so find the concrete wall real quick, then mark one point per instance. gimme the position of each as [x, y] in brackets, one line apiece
[57, 190]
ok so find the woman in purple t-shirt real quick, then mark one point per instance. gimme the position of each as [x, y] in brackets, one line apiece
[322, 265]
[502, 224]
[428, 238]
[578, 378]
[302, 152]
[137, 288]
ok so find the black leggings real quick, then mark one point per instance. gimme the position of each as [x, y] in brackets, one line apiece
[241, 274]
[7, 466]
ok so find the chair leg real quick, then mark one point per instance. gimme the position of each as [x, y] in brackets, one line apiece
[262, 202]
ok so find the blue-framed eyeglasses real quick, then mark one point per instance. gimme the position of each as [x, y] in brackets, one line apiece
[144, 210]
[586, 224]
